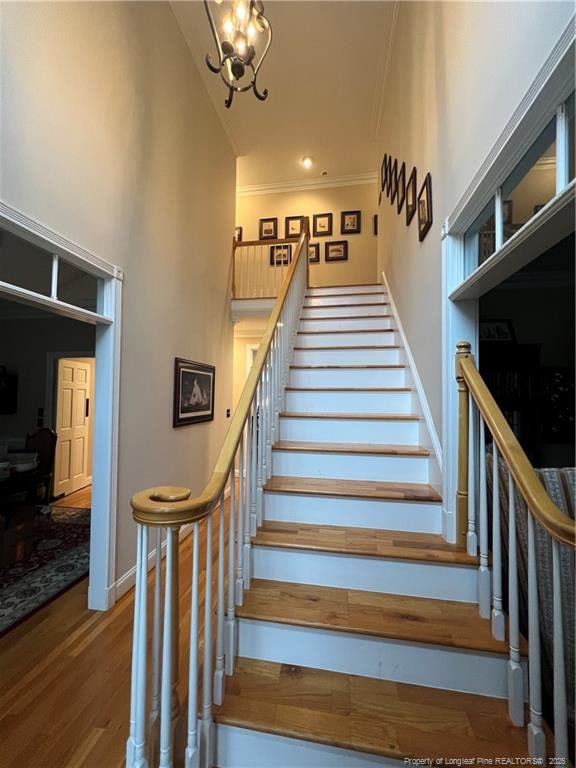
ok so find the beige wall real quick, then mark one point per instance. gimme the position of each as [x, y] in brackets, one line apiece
[458, 71]
[108, 137]
[361, 265]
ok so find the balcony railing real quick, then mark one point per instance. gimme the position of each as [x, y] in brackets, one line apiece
[259, 267]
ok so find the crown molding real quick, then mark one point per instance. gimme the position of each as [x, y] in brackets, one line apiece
[307, 185]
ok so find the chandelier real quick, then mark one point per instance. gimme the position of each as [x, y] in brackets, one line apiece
[242, 38]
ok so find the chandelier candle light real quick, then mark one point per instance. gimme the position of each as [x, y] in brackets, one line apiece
[243, 31]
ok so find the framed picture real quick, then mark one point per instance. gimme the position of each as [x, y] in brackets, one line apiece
[350, 222]
[293, 226]
[238, 234]
[393, 181]
[425, 208]
[280, 255]
[411, 196]
[375, 224]
[507, 211]
[496, 330]
[401, 193]
[322, 224]
[336, 251]
[314, 253]
[193, 392]
[384, 173]
[389, 176]
[268, 229]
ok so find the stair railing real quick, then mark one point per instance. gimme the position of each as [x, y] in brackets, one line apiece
[242, 468]
[259, 267]
[547, 526]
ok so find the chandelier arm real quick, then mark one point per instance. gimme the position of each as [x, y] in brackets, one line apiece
[260, 96]
[268, 44]
[211, 66]
[228, 101]
[214, 35]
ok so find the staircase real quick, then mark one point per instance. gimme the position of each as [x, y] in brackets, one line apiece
[359, 640]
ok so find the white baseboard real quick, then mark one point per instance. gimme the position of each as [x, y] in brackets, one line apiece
[127, 580]
[435, 443]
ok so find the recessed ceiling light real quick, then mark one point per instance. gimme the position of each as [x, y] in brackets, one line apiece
[307, 162]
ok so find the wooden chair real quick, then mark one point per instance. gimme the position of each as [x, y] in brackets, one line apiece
[43, 442]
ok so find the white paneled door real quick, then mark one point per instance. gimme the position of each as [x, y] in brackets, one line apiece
[73, 466]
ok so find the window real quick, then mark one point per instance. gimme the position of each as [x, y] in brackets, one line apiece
[480, 239]
[531, 184]
[76, 286]
[571, 137]
[24, 264]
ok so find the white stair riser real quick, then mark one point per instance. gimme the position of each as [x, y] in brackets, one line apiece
[351, 339]
[337, 289]
[386, 469]
[371, 574]
[349, 431]
[329, 301]
[344, 324]
[424, 517]
[382, 310]
[351, 356]
[240, 747]
[353, 377]
[355, 654]
[323, 401]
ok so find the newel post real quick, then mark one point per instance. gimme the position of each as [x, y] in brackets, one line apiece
[463, 350]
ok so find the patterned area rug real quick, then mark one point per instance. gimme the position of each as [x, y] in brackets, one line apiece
[60, 558]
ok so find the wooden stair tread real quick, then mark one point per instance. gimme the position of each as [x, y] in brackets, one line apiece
[402, 545]
[350, 304]
[343, 293]
[349, 330]
[356, 448]
[349, 389]
[352, 416]
[371, 346]
[395, 720]
[399, 617]
[346, 367]
[342, 317]
[363, 489]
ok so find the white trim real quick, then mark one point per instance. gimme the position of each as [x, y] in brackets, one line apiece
[383, 79]
[552, 85]
[241, 309]
[31, 298]
[21, 224]
[307, 184]
[423, 401]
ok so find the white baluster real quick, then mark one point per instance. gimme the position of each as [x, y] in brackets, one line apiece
[536, 737]
[256, 436]
[136, 745]
[230, 644]
[498, 618]
[560, 710]
[483, 572]
[515, 674]
[240, 536]
[260, 450]
[246, 557]
[206, 724]
[471, 538]
[192, 756]
[166, 743]
[156, 649]
[269, 420]
[219, 666]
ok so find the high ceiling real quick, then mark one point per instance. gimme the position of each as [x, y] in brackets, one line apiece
[325, 74]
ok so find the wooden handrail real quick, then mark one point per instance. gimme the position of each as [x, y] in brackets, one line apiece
[172, 507]
[281, 241]
[559, 526]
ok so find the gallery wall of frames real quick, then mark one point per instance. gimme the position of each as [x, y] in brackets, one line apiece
[407, 193]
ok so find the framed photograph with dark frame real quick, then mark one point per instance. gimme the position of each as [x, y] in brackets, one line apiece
[375, 224]
[507, 210]
[384, 173]
[401, 193]
[496, 330]
[393, 182]
[314, 253]
[337, 250]
[322, 225]
[280, 255]
[238, 234]
[293, 226]
[193, 392]
[411, 196]
[425, 208]
[350, 222]
[389, 176]
[268, 229]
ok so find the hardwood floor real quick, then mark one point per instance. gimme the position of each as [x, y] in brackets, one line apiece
[418, 619]
[389, 719]
[424, 547]
[81, 499]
